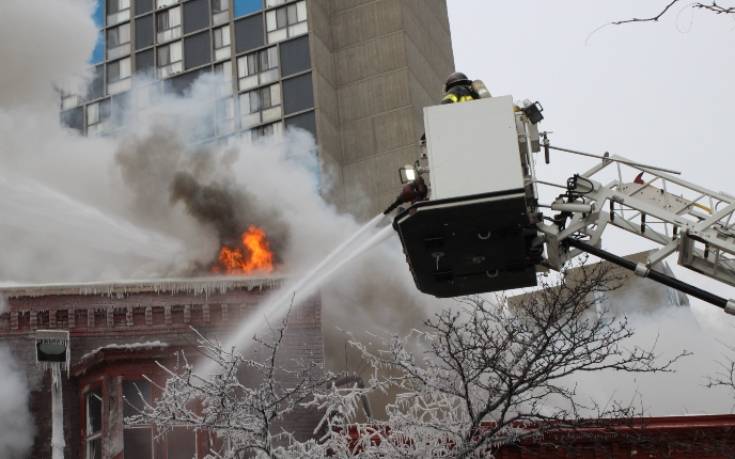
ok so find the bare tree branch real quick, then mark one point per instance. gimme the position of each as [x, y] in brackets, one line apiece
[716, 8]
[649, 19]
[713, 7]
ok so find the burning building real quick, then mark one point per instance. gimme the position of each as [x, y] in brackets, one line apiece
[117, 333]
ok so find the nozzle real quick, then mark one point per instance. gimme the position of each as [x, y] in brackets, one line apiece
[393, 206]
[412, 192]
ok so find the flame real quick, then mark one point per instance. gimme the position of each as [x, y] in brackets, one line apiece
[254, 255]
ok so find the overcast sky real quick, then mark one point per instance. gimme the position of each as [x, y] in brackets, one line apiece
[661, 93]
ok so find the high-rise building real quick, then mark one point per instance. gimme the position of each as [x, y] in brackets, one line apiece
[355, 73]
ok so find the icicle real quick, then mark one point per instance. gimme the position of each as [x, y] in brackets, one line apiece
[57, 414]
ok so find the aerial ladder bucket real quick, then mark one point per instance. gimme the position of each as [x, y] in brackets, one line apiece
[477, 232]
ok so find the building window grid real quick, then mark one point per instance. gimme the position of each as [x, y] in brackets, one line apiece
[170, 59]
[224, 69]
[168, 25]
[258, 68]
[225, 116]
[97, 114]
[165, 3]
[266, 130]
[293, 17]
[117, 11]
[118, 41]
[69, 101]
[220, 11]
[260, 106]
[222, 43]
[119, 76]
[286, 21]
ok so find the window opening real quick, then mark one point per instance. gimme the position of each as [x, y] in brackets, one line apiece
[170, 60]
[93, 431]
[287, 21]
[117, 11]
[258, 68]
[118, 41]
[222, 43]
[169, 25]
[260, 106]
[118, 76]
[137, 440]
[220, 11]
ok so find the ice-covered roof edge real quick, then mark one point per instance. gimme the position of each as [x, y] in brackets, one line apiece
[173, 286]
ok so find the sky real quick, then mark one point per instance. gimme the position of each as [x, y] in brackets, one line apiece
[659, 93]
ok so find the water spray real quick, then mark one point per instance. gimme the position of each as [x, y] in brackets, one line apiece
[276, 307]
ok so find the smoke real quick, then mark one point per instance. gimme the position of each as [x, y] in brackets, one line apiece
[16, 423]
[45, 44]
[669, 330]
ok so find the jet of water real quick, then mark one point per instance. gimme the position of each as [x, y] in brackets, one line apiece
[278, 306]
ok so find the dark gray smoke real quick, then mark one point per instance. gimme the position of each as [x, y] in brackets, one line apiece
[212, 204]
[228, 209]
[162, 173]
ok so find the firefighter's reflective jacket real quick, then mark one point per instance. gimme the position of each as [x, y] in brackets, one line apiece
[459, 93]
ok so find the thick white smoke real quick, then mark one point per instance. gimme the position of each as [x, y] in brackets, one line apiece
[16, 423]
[43, 44]
[671, 330]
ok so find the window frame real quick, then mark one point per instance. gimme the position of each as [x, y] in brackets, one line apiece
[222, 35]
[252, 74]
[170, 67]
[149, 428]
[220, 12]
[88, 439]
[287, 21]
[120, 48]
[167, 29]
[224, 68]
[120, 13]
[102, 114]
[226, 116]
[261, 105]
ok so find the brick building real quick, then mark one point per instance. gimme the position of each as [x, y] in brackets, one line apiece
[671, 437]
[118, 331]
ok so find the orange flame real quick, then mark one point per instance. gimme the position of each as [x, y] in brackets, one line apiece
[254, 255]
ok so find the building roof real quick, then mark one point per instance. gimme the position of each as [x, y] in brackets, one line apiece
[183, 285]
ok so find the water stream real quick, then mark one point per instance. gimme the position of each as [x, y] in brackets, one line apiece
[272, 310]
[44, 233]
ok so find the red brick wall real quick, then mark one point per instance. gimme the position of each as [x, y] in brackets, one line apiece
[123, 315]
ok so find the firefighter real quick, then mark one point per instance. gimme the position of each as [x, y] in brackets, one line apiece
[458, 88]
